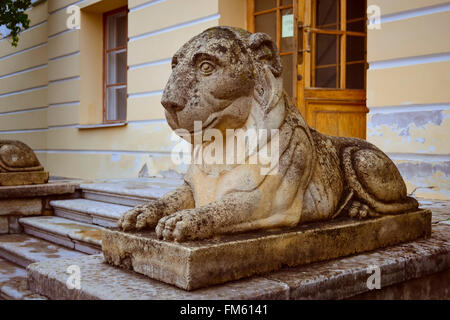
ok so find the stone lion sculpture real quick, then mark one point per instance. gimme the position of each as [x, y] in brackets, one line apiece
[229, 78]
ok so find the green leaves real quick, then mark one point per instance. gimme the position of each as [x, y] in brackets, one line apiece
[13, 16]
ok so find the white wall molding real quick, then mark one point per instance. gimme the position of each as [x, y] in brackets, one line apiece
[175, 27]
[23, 51]
[42, 66]
[414, 13]
[145, 5]
[419, 157]
[410, 61]
[409, 108]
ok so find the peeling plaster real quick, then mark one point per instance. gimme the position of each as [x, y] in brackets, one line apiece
[429, 179]
[402, 121]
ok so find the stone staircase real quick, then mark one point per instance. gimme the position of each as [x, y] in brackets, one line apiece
[73, 231]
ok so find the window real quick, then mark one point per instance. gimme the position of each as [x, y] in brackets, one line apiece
[276, 18]
[115, 65]
[338, 36]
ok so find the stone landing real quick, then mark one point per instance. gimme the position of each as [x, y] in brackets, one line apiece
[198, 264]
[405, 265]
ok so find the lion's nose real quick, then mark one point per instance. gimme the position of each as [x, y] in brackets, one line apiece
[171, 106]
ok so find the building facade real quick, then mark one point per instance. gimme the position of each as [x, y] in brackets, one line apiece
[83, 90]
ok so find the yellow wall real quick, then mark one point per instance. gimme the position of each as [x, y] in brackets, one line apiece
[408, 92]
[51, 84]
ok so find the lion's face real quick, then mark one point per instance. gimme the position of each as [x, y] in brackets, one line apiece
[211, 81]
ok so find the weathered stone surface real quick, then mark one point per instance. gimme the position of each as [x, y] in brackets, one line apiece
[14, 225]
[19, 165]
[21, 207]
[432, 287]
[4, 225]
[51, 188]
[17, 289]
[72, 234]
[335, 279]
[13, 283]
[102, 281]
[88, 211]
[197, 264]
[227, 79]
[129, 192]
[347, 277]
[23, 178]
[23, 250]
[440, 209]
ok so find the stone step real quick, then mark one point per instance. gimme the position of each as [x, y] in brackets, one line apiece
[13, 283]
[334, 279]
[101, 281]
[68, 233]
[23, 249]
[129, 192]
[89, 211]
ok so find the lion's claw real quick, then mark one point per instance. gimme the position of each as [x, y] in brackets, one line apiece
[140, 217]
[182, 225]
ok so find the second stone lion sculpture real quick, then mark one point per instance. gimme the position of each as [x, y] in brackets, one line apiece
[229, 78]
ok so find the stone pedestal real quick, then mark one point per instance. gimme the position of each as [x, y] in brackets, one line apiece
[197, 264]
[31, 200]
[23, 178]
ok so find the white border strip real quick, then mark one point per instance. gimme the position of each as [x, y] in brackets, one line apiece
[175, 27]
[22, 111]
[64, 56]
[23, 91]
[136, 122]
[42, 66]
[145, 94]
[64, 104]
[409, 108]
[63, 126]
[29, 29]
[23, 51]
[63, 8]
[61, 33]
[108, 152]
[150, 64]
[415, 13]
[410, 61]
[145, 5]
[419, 157]
[23, 131]
[152, 121]
[64, 79]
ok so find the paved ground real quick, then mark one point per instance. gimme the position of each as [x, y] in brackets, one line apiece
[439, 208]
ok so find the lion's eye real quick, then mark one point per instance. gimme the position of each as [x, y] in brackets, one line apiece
[206, 67]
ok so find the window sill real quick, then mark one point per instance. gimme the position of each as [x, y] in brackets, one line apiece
[102, 125]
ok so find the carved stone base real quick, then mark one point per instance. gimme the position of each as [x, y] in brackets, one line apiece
[23, 178]
[197, 264]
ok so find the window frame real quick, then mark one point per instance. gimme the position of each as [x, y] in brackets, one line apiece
[105, 61]
[341, 56]
[279, 7]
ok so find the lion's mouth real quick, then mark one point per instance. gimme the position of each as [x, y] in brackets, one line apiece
[211, 123]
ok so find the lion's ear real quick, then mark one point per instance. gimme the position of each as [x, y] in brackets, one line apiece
[266, 52]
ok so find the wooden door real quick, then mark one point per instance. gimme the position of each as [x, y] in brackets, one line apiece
[324, 58]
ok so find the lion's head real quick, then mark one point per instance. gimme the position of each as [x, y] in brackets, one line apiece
[217, 75]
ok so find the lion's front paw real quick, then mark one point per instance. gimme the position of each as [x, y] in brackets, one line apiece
[140, 217]
[183, 225]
